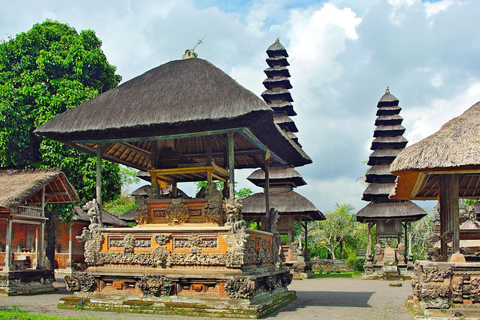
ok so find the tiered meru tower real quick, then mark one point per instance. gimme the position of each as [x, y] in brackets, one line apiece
[291, 206]
[392, 217]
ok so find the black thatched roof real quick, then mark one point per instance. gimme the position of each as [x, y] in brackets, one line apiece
[178, 98]
[278, 175]
[18, 187]
[277, 49]
[107, 218]
[388, 99]
[286, 203]
[388, 130]
[391, 210]
[277, 71]
[129, 216]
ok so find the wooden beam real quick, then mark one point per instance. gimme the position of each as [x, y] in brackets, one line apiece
[136, 149]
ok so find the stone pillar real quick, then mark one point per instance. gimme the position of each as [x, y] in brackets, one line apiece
[8, 246]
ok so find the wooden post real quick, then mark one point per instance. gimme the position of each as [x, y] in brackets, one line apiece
[231, 166]
[8, 246]
[305, 252]
[70, 247]
[268, 218]
[153, 165]
[369, 245]
[99, 176]
[41, 247]
[299, 221]
[409, 238]
[448, 198]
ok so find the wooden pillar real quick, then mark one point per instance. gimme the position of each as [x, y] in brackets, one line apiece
[305, 252]
[448, 198]
[8, 246]
[41, 247]
[208, 151]
[369, 245]
[231, 166]
[70, 247]
[99, 176]
[268, 218]
[37, 242]
[299, 221]
[153, 165]
[409, 238]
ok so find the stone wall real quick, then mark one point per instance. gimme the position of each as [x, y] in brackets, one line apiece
[327, 265]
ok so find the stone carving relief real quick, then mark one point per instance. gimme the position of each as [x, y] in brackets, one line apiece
[274, 217]
[93, 244]
[435, 274]
[142, 216]
[79, 281]
[457, 289]
[400, 253]
[195, 241]
[435, 296]
[163, 238]
[475, 289]
[241, 288]
[162, 257]
[155, 285]
[177, 214]
[128, 244]
[213, 210]
[378, 254]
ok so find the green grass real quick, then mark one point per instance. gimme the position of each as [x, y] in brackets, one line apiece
[16, 314]
[343, 274]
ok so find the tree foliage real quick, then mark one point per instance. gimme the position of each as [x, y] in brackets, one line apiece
[340, 231]
[241, 193]
[44, 72]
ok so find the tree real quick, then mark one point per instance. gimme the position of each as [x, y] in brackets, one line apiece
[339, 226]
[242, 193]
[44, 72]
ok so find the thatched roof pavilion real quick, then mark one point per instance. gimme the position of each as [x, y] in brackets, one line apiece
[386, 213]
[23, 196]
[443, 166]
[183, 102]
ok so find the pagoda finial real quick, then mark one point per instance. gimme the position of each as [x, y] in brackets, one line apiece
[277, 40]
[387, 91]
[190, 53]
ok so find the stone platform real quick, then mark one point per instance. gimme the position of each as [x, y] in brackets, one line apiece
[17, 282]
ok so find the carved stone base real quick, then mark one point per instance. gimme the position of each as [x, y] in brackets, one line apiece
[185, 293]
[26, 282]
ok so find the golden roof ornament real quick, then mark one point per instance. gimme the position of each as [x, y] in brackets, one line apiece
[190, 53]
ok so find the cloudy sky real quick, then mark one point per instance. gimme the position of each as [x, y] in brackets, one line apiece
[343, 54]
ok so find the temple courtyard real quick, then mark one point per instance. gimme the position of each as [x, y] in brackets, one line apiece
[327, 298]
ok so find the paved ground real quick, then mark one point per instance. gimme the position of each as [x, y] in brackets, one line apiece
[317, 299]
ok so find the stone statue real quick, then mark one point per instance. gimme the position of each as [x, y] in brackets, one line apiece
[93, 212]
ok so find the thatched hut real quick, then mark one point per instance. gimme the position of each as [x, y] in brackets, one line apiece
[23, 196]
[184, 121]
[443, 166]
[390, 216]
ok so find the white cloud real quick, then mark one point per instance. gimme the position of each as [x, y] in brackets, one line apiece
[433, 8]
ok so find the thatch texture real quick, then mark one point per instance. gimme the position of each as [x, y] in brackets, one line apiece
[20, 187]
[277, 71]
[277, 49]
[107, 218]
[287, 203]
[390, 210]
[284, 175]
[452, 149]
[180, 97]
[377, 190]
[455, 145]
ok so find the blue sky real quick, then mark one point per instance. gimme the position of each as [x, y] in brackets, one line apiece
[343, 54]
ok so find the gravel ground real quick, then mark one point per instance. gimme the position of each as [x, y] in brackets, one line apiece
[317, 299]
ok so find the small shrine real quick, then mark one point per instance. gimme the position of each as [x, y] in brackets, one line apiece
[183, 121]
[290, 206]
[444, 166]
[23, 196]
[392, 256]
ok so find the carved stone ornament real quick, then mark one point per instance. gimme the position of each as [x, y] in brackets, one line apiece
[128, 244]
[142, 216]
[93, 245]
[155, 285]
[457, 289]
[163, 238]
[475, 289]
[161, 257]
[79, 281]
[93, 212]
[435, 296]
[274, 217]
[233, 210]
[435, 274]
[213, 208]
[241, 288]
[177, 213]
